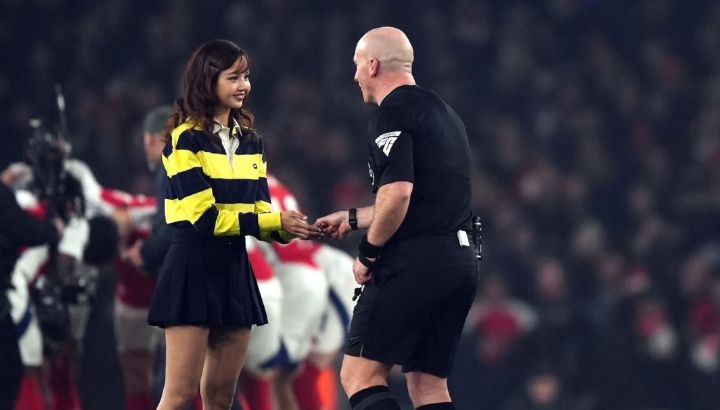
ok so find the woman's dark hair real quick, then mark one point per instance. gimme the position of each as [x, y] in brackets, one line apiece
[198, 87]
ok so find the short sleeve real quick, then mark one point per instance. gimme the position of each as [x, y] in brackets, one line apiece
[391, 148]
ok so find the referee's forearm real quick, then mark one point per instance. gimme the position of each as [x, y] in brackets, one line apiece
[365, 216]
[391, 205]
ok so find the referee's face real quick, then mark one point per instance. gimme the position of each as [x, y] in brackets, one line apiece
[362, 74]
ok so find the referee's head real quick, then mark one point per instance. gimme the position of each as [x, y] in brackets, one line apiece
[383, 59]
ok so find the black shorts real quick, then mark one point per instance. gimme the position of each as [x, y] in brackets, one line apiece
[413, 311]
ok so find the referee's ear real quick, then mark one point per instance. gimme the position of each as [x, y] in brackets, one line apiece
[374, 67]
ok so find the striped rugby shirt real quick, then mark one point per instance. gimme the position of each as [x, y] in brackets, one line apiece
[219, 192]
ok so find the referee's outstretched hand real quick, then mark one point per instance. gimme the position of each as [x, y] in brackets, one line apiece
[296, 224]
[335, 225]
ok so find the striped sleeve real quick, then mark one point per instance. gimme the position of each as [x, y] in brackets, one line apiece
[262, 200]
[190, 197]
[280, 236]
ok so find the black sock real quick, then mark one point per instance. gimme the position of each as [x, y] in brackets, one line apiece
[437, 406]
[374, 398]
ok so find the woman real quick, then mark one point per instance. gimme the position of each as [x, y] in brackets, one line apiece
[206, 297]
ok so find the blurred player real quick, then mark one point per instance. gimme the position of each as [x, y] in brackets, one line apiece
[305, 297]
[316, 385]
[317, 285]
[257, 376]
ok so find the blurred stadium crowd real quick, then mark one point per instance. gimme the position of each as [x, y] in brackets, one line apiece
[595, 126]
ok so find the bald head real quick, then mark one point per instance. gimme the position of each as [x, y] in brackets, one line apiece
[389, 46]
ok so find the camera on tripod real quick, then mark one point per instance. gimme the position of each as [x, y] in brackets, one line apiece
[46, 155]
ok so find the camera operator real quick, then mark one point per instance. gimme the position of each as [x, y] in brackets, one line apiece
[17, 229]
[50, 307]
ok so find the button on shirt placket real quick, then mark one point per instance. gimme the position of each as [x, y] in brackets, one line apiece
[230, 141]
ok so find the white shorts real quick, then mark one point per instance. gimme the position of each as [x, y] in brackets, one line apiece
[30, 339]
[337, 266]
[305, 298]
[132, 332]
[23, 314]
[265, 340]
[331, 336]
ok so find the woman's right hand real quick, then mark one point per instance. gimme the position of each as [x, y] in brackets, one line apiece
[296, 224]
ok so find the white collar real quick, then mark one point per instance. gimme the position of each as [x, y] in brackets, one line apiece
[225, 132]
[230, 140]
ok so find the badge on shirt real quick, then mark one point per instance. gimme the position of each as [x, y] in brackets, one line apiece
[386, 141]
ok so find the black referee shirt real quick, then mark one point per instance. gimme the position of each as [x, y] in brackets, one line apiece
[415, 136]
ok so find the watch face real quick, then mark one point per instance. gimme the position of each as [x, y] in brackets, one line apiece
[352, 218]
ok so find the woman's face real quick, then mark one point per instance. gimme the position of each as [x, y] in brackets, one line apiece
[233, 86]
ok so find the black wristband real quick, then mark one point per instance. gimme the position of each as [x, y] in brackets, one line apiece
[367, 249]
[352, 219]
[366, 262]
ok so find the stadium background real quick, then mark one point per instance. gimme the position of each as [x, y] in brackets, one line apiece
[595, 128]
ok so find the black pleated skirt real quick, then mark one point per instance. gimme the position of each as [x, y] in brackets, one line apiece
[206, 281]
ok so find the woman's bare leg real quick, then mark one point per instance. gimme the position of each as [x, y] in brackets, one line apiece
[224, 360]
[185, 351]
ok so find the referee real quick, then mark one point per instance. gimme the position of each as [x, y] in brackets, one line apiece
[416, 261]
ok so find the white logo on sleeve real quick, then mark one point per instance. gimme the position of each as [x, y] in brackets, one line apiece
[386, 141]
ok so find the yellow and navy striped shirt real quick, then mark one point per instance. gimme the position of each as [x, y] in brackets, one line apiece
[219, 194]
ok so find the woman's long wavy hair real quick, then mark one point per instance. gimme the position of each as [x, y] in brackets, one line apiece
[199, 81]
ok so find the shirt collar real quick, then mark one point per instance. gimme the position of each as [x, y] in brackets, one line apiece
[224, 131]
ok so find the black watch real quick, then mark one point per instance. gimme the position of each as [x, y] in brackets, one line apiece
[352, 219]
